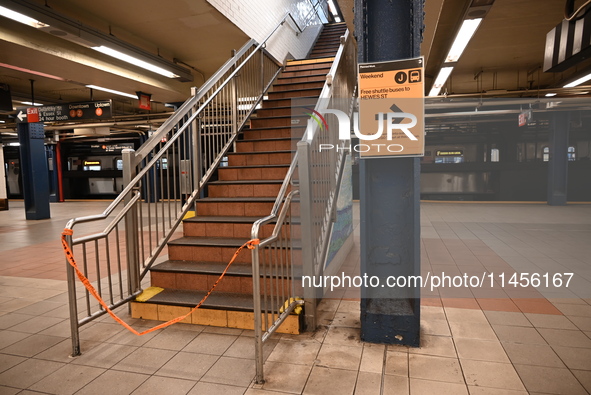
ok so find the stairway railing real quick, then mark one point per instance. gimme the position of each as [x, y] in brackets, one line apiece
[315, 176]
[163, 179]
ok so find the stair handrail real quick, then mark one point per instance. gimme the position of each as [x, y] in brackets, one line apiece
[184, 152]
[303, 188]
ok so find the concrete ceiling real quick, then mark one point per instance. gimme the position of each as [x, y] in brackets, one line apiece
[189, 31]
[507, 51]
[505, 54]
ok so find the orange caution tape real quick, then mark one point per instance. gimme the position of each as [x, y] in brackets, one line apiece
[70, 256]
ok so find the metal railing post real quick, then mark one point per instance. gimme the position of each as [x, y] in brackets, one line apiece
[72, 300]
[263, 71]
[131, 225]
[258, 323]
[308, 250]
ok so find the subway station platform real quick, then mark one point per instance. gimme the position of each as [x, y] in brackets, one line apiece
[473, 342]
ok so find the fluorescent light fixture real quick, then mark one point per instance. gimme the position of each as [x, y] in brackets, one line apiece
[14, 144]
[135, 61]
[463, 37]
[579, 81]
[550, 94]
[28, 103]
[17, 16]
[100, 88]
[440, 80]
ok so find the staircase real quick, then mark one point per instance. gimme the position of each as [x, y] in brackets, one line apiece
[245, 191]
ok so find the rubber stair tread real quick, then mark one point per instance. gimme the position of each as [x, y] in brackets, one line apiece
[204, 241]
[196, 267]
[237, 199]
[260, 152]
[209, 241]
[242, 182]
[217, 300]
[297, 90]
[273, 127]
[270, 139]
[254, 166]
[230, 219]
[319, 75]
[279, 116]
[297, 82]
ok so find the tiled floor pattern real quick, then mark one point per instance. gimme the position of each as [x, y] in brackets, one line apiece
[470, 345]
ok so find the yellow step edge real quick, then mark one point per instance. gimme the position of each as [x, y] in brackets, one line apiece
[148, 294]
[190, 214]
[309, 61]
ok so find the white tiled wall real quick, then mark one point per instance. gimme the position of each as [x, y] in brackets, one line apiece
[257, 18]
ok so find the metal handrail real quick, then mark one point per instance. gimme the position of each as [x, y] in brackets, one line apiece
[197, 136]
[314, 255]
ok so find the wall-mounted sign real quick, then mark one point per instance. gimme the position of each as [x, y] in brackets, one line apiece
[392, 108]
[144, 102]
[525, 118]
[458, 152]
[113, 147]
[65, 112]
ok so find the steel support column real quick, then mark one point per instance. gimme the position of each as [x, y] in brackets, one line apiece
[35, 173]
[558, 165]
[389, 187]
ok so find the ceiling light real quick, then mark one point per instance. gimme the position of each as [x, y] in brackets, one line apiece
[135, 61]
[28, 103]
[17, 16]
[579, 81]
[100, 88]
[550, 94]
[463, 37]
[440, 80]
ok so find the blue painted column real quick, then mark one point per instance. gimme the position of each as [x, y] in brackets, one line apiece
[558, 165]
[389, 188]
[34, 171]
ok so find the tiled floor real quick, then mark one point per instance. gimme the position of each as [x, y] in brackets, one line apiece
[477, 342]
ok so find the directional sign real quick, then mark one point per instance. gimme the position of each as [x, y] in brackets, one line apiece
[391, 109]
[65, 112]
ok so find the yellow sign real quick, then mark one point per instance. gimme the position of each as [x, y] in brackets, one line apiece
[391, 109]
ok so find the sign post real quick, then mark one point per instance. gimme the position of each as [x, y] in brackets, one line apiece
[388, 31]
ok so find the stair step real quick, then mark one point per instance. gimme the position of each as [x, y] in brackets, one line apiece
[310, 64]
[288, 86]
[295, 93]
[295, 131]
[238, 227]
[221, 309]
[260, 158]
[219, 300]
[329, 52]
[327, 44]
[217, 249]
[282, 111]
[274, 103]
[278, 121]
[239, 206]
[272, 144]
[304, 78]
[201, 276]
[269, 172]
[247, 188]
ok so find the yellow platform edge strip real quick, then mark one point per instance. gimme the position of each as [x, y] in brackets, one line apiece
[190, 214]
[148, 294]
